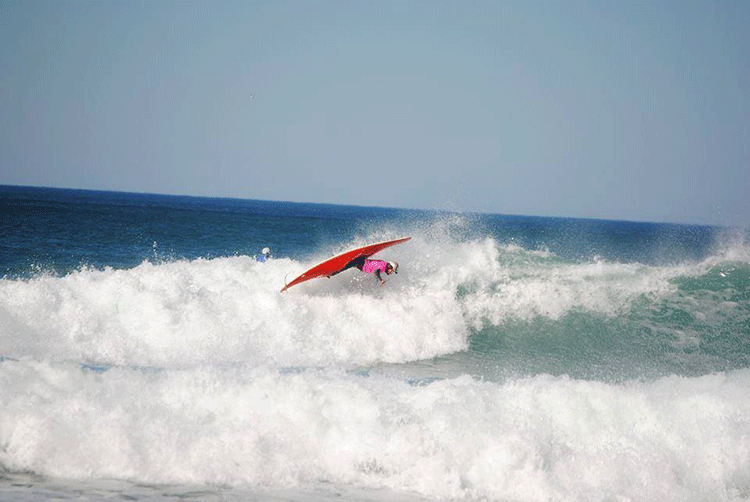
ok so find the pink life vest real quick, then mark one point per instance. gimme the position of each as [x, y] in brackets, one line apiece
[371, 266]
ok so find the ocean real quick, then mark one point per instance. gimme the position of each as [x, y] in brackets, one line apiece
[145, 354]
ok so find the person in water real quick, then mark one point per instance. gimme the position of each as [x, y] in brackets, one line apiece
[375, 267]
[264, 256]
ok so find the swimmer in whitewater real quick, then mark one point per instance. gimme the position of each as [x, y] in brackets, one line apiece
[264, 255]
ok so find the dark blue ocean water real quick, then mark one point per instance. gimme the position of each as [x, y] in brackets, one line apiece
[146, 354]
[61, 230]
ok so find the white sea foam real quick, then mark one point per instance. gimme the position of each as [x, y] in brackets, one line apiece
[230, 309]
[227, 309]
[539, 438]
[201, 372]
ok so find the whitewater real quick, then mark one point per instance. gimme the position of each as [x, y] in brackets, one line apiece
[509, 360]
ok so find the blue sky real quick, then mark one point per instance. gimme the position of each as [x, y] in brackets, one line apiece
[624, 110]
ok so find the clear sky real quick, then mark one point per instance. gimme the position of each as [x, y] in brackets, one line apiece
[631, 109]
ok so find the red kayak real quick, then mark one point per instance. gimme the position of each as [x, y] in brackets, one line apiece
[333, 266]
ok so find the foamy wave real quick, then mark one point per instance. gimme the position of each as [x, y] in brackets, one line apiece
[494, 282]
[223, 310]
[540, 438]
[230, 309]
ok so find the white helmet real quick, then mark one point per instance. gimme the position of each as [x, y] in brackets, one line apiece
[266, 251]
[394, 266]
